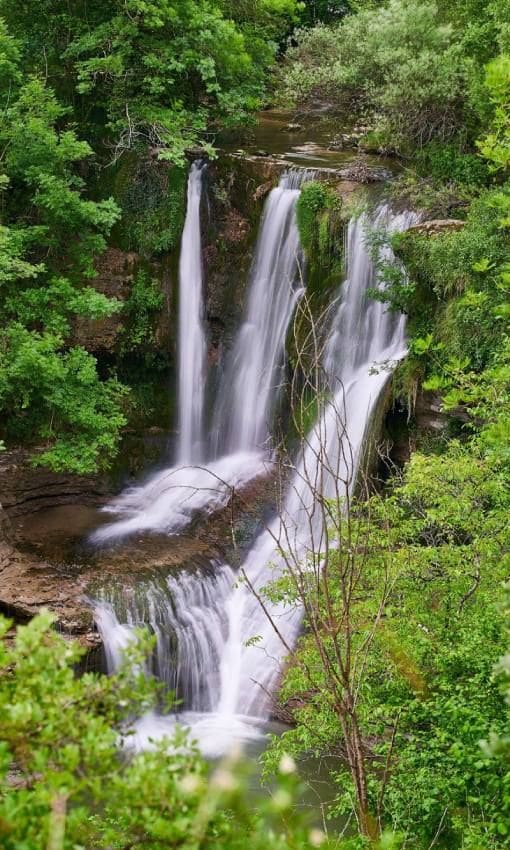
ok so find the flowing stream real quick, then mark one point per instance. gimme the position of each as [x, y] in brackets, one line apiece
[202, 619]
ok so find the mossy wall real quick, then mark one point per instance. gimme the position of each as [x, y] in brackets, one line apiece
[321, 219]
[152, 197]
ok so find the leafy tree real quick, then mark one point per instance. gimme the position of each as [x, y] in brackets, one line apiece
[496, 145]
[144, 302]
[50, 233]
[419, 633]
[397, 65]
[157, 74]
[64, 783]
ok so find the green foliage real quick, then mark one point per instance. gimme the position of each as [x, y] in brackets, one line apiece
[313, 12]
[144, 303]
[496, 145]
[152, 197]
[55, 394]
[159, 75]
[498, 746]
[320, 222]
[454, 286]
[50, 232]
[425, 628]
[446, 163]
[64, 784]
[398, 65]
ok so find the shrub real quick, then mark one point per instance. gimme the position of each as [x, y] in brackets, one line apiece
[398, 65]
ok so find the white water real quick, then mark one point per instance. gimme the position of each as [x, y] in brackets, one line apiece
[365, 342]
[188, 617]
[192, 337]
[255, 373]
[170, 499]
[186, 613]
[364, 335]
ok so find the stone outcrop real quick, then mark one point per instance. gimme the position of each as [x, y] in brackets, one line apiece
[362, 172]
[428, 414]
[27, 585]
[236, 190]
[437, 226]
[6, 532]
[115, 273]
[25, 489]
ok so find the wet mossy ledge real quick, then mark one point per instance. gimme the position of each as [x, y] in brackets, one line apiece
[322, 216]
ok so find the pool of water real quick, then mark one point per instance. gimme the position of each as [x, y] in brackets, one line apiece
[277, 134]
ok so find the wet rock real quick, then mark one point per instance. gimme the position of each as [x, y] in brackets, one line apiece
[263, 190]
[428, 414]
[28, 585]
[437, 226]
[336, 144]
[234, 208]
[360, 172]
[349, 140]
[346, 188]
[292, 127]
[25, 489]
[234, 227]
[6, 532]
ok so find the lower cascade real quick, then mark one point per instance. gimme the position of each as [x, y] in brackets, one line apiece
[203, 620]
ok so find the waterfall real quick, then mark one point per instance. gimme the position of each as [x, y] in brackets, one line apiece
[170, 499]
[212, 628]
[255, 372]
[186, 614]
[192, 344]
[363, 335]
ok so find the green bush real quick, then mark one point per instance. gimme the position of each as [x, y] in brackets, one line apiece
[141, 310]
[447, 163]
[321, 223]
[425, 630]
[152, 197]
[50, 233]
[64, 784]
[397, 65]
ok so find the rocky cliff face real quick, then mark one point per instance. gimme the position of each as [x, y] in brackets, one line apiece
[25, 489]
[235, 194]
[115, 275]
[236, 189]
[28, 583]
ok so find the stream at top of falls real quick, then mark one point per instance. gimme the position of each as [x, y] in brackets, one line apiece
[204, 620]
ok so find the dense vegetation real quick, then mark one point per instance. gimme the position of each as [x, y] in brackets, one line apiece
[71, 788]
[428, 556]
[81, 88]
[397, 675]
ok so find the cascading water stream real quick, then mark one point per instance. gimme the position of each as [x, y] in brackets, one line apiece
[172, 497]
[254, 374]
[192, 336]
[364, 343]
[186, 614]
[364, 335]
